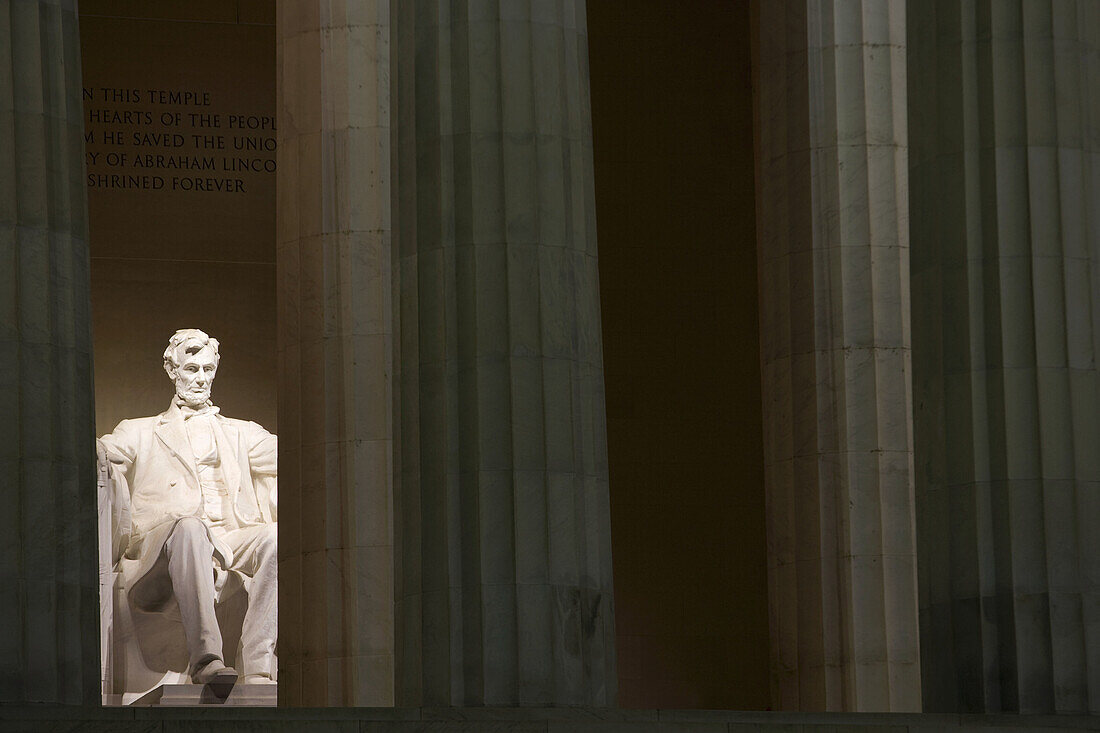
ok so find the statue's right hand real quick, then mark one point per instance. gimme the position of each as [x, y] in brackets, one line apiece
[100, 453]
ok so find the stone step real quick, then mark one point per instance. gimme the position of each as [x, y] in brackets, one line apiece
[187, 695]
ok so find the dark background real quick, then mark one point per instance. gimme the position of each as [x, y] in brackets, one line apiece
[673, 135]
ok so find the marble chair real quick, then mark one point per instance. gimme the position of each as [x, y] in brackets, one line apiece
[142, 651]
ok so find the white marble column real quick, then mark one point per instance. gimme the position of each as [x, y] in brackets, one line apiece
[49, 607]
[504, 586]
[833, 234]
[1005, 110]
[335, 354]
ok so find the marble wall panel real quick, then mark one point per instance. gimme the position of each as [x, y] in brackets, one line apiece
[1005, 124]
[49, 604]
[335, 354]
[503, 583]
[833, 226]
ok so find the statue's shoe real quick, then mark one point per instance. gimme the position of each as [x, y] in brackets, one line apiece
[215, 672]
[257, 679]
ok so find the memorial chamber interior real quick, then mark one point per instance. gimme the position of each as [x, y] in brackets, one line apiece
[179, 114]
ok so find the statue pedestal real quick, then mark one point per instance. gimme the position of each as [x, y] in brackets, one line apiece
[186, 695]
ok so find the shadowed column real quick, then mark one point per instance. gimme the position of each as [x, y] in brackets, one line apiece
[335, 354]
[504, 560]
[1005, 117]
[833, 231]
[49, 606]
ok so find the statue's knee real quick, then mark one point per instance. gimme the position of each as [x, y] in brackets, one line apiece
[190, 529]
[264, 545]
[270, 536]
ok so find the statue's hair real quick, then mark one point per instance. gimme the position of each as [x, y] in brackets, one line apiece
[187, 341]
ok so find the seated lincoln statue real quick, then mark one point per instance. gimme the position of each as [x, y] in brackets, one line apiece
[200, 496]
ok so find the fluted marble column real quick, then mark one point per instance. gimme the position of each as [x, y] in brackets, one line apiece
[335, 354]
[49, 607]
[1005, 114]
[834, 298]
[504, 586]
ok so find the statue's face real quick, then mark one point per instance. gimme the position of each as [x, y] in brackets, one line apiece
[195, 376]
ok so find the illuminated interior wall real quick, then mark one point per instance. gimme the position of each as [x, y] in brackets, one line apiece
[672, 128]
[171, 256]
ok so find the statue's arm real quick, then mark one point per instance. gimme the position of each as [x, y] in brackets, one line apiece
[119, 447]
[263, 458]
[116, 452]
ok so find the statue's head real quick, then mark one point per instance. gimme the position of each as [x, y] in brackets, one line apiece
[191, 361]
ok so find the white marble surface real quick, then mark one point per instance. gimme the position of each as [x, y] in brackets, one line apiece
[335, 351]
[188, 695]
[189, 464]
[833, 222]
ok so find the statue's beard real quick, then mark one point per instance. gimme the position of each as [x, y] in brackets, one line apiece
[194, 398]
